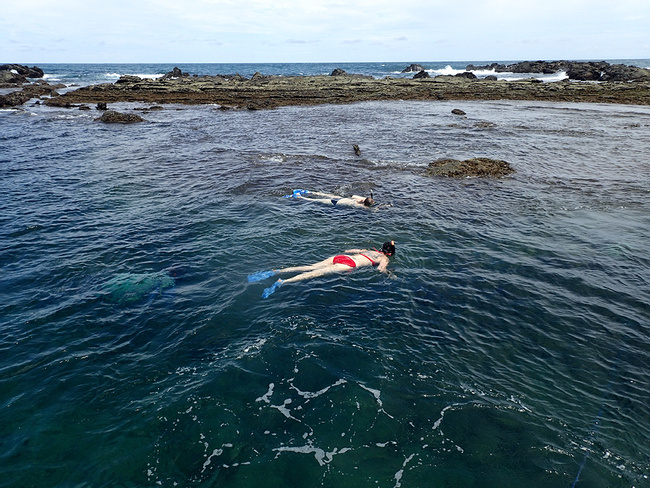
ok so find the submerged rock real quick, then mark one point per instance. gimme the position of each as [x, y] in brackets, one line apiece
[477, 167]
[133, 287]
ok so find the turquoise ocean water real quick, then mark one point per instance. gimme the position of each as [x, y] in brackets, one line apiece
[507, 347]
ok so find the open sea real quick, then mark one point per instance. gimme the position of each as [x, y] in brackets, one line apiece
[509, 346]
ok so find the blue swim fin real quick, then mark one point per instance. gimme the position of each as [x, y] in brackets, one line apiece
[297, 193]
[260, 275]
[268, 291]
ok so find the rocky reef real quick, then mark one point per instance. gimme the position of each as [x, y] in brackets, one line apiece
[17, 74]
[616, 84]
[475, 167]
[268, 92]
[19, 77]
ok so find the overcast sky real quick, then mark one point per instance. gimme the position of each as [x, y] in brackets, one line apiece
[255, 31]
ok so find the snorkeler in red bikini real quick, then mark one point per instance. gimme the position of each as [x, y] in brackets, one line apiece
[354, 258]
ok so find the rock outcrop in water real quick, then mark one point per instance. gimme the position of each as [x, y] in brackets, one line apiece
[113, 117]
[575, 70]
[17, 74]
[38, 89]
[476, 167]
[413, 68]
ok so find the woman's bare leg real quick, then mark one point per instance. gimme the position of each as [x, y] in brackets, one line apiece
[326, 195]
[298, 269]
[332, 268]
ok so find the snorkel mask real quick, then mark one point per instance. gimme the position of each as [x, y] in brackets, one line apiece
[388, 248]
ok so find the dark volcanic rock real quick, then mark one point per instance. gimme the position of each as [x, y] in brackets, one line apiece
[14, 99]
[466, 74]
[8, 77]
[128, 79]
[413, 68]
[457, 111]
[621, 72]
[175, 73]
[477, 167]
[576, 70]
[28, 92]
[25, 71]
[338, 72]
[260, 78]
[113, 117]
[421, 74]
[584, 73]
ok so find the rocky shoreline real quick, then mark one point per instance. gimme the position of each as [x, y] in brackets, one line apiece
[619, 84]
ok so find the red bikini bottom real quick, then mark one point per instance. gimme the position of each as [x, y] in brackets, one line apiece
[343, 259]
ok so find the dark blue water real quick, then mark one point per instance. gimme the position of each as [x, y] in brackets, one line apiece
[508, 346]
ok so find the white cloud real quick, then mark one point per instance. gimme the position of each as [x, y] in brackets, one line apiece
[322, 30]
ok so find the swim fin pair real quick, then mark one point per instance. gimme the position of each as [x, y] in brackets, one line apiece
[297, 193]
[262, 275]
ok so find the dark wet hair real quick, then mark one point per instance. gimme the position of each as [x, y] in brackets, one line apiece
[388, 248]
[368, 202]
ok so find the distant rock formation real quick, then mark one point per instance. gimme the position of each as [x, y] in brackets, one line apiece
[421, 74]
[128, 79]
[575, 70]
[413, 68]
[16, 74]
[175, 73]
[476, 167]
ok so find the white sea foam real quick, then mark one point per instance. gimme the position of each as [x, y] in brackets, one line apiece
[266, 398]
[400, 473]
[321, 455]
[314, 394]
[377, 395]
[447, 70]
[437, 423]
[145, 75]
[482, 73]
